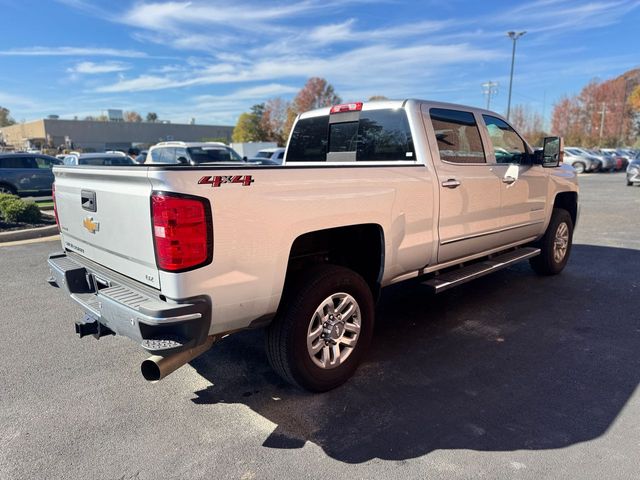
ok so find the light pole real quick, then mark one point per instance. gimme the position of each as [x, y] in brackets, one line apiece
[513, 36]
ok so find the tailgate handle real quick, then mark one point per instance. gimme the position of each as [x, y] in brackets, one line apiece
[88, 198]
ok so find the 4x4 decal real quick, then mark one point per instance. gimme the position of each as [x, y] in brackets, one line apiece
[245, 180]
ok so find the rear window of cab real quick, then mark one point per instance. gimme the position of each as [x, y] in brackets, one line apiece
[377, 135]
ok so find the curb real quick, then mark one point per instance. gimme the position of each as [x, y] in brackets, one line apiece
[28, 233]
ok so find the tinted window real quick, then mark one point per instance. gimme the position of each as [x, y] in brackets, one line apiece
[105, 161]
[343, 137]
[20, 162]
[458, 136]
[507, 144]
[12, 162]
[378, 135]
[280, 155]
[309, 140]
[384, 135]
[213, 155]
[264, 154]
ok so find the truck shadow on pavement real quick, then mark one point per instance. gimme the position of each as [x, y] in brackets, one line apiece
[509, 362]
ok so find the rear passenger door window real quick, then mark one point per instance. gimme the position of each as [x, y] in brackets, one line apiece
[458, 136]
[507, 144]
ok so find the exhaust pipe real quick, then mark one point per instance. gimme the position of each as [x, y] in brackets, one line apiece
[157, 367]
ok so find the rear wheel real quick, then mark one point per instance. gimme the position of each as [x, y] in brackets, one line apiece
[555, 245]
[4, 188]
[323, 328]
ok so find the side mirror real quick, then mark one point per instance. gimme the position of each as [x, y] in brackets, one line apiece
[552, 152]
[183, 160]
[244, 159]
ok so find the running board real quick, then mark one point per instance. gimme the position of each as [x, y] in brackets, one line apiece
[445, 281]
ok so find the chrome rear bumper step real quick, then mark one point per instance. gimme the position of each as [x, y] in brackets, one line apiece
[450, 279]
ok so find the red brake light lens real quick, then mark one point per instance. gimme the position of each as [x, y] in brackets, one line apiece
[347, 107]
[182, 231]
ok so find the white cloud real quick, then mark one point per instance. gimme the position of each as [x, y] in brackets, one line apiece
[91, 68]
[71, 52]
[372, 64]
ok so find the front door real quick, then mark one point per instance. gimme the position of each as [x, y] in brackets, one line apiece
[523, 186]
[469, 186]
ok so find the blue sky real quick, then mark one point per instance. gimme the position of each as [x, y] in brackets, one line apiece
[213, 59]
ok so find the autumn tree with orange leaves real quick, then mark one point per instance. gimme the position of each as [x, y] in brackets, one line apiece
[601, 115]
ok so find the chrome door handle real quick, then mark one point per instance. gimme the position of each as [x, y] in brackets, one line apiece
[451, 183]
[508, 180]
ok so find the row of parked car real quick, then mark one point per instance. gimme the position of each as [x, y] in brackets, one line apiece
[30, 173]
[602, 160]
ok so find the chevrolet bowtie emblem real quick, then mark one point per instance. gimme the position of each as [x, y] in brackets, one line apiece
[90, 225]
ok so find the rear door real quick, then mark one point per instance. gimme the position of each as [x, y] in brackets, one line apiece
[105, 216]
[469, 187]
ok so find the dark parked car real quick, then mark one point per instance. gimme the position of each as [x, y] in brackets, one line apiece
[26, 173]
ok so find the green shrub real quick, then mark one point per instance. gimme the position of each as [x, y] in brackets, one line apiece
[14, 210]
[7, 197]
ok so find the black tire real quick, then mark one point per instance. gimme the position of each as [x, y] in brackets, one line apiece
[629, 184]
[4, 188]
[546, 263]
[286, 336]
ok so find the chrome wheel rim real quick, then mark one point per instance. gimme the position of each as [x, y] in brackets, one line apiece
[561, 242]
[334, 330]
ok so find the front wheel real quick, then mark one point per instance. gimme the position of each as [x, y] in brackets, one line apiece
[323, 328]
[555, 245]
[580, 167]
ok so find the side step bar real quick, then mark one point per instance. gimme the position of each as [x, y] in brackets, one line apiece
[450, 279]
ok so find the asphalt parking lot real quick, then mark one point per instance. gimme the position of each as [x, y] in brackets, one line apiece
[513, 376]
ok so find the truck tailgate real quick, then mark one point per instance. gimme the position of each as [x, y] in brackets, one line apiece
[105, 216]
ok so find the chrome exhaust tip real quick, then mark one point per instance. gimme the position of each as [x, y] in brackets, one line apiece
[156, 367]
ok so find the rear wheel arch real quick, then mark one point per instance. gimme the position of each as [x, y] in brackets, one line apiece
[359, 247]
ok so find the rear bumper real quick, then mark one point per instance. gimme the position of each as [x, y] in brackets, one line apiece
[116, 304]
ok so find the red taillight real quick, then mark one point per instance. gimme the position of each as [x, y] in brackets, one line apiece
[182, 231]
[347, 107]
[55, 208]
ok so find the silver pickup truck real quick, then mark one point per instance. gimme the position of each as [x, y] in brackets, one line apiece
[176, 257]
